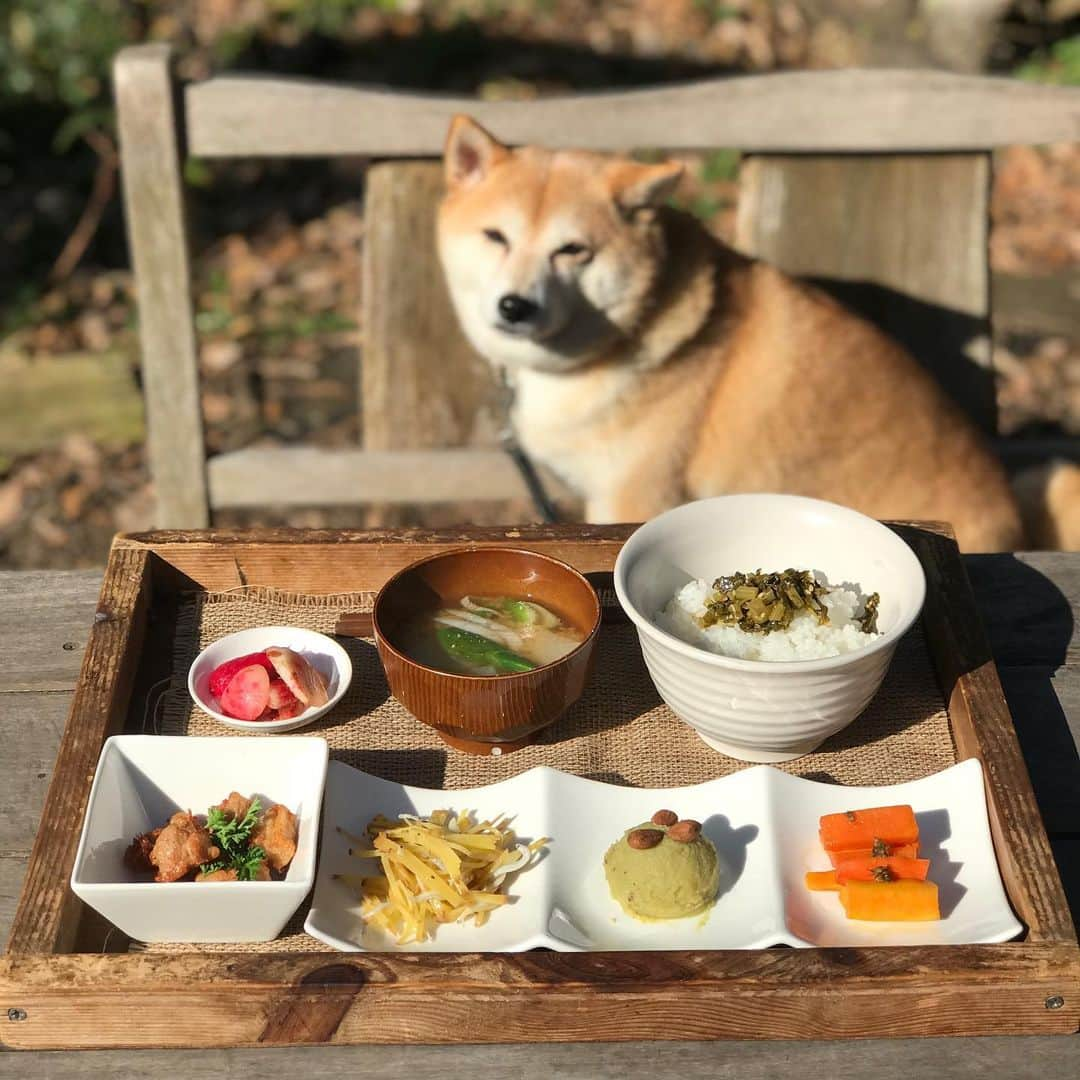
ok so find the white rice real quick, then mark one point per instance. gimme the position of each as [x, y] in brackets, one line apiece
[804, 639]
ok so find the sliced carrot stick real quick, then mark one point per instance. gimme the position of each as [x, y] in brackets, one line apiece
[822, 881]
[903, 851]
[857, 830]
[894, 901]
[890, 868]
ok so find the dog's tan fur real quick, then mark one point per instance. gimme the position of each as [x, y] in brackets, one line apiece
[664, 366]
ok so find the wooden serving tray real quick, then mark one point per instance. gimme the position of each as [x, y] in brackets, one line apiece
[63, 988]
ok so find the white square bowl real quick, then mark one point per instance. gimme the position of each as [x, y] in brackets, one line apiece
[141, 780]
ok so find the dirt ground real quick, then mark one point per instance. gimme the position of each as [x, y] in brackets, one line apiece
[277, 253]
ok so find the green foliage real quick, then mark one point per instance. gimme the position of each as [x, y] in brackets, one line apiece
[20, 309]
[197, 173]
[304, 325]
[717, 10]
[720, 165]
[58, 52]
[1059, 66]
[706, 206]
[328, 17]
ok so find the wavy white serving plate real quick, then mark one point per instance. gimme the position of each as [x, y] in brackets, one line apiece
[763, 822]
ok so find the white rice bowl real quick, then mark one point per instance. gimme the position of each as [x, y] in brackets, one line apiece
[804, 639]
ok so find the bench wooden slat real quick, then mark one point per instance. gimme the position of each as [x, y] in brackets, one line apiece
[845, 111]
[422, 383]
[902, 239]
[150, 145]
[306, 476]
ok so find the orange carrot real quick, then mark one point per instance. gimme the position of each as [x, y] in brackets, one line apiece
[856, 830]
[822, 881]
[894, 901]
[903, 851]
[890, 868]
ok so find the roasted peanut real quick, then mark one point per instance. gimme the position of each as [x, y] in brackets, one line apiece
[664, 817]
[643, 839]
[685, 831]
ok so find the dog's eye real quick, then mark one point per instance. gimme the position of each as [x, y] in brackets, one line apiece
[573, 249]
[496, 237]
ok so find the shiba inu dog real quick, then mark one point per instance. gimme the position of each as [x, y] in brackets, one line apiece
[652, 364]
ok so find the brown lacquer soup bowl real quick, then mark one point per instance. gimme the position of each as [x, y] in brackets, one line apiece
[485, 714]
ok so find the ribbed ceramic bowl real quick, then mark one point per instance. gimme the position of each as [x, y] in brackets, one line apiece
[485, 714]
[759, 710]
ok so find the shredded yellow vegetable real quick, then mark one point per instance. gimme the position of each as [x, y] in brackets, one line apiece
[440, 869]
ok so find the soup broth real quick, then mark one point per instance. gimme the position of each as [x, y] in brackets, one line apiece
[488, 635]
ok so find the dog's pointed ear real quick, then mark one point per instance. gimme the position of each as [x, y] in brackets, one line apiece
[635, 186]
[470, 151]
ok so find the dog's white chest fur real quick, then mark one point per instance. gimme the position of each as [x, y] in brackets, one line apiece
[557, 417]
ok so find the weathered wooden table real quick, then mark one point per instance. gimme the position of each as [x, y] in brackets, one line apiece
[1030, 604]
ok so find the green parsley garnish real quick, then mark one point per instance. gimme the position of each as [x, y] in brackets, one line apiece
[233, 836]
[248, 864]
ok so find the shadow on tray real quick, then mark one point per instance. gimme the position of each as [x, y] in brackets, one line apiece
[1030, 626]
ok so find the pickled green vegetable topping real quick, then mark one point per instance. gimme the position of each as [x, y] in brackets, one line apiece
[868, 619]
[760, 603]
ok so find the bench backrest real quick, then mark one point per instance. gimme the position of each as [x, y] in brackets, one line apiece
[875, 182]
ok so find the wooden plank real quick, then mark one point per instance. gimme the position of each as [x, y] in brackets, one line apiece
[45, 617]
[1041, 305]
[1046, 712]
[157, 236]
[336, 560]
[30, 730]
[307, 476]
[1030, 606]
[900, 239]
[423, 385]
[47, 917]
[87, 1001]
[50, 396]
[12, 872]
[332, 560]
[843, 111]
[1015, 1057]
[982, 727]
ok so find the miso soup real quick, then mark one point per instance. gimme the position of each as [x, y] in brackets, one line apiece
[488, 635]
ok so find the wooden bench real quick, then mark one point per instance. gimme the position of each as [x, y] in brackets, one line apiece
[876, 183]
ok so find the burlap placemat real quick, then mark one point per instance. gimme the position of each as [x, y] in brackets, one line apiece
[620, 732]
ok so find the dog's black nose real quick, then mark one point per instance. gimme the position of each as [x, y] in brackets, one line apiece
[515, 309]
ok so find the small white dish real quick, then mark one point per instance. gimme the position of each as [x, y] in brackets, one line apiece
[763, 822]
[753, 710]
[142, 780]
[353, 798]
[954, 834]
[322, 652]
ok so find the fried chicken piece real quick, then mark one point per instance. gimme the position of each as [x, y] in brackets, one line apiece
[235, 804]
[217, 875]
[182, 846]
[261, 874]
[137, 856]
[276, 834]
